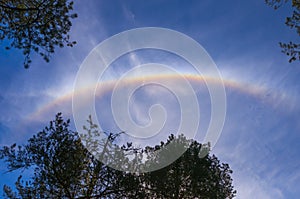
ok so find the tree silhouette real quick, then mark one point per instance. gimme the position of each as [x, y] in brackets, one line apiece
[36, 25]
[291, 49]
[191, 176]
[64, 168]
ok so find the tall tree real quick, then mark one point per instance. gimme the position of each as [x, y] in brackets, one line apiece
[291, 49]
[190, 176]
[36, 25]
[64, 168]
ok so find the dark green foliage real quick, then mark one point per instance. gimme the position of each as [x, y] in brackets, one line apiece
[36, 25]
[291, 49]
[63, 168]
[190, 176]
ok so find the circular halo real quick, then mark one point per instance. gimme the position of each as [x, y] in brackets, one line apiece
[100, 58]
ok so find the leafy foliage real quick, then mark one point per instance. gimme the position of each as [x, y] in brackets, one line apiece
[63, 168]
[190, 176]
[36, 25]
[291, 49]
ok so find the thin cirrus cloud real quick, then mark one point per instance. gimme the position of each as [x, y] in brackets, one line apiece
[260, 152]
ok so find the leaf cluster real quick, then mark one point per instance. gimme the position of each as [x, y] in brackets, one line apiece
[291, 49]
[37, 25]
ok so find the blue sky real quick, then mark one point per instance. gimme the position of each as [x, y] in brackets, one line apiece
[261, 134]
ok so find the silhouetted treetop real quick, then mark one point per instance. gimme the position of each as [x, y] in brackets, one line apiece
[63, 168]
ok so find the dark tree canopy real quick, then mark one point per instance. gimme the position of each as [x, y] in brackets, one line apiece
[36, 25]
[63, 168]
[291, 49]
[191, 176]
